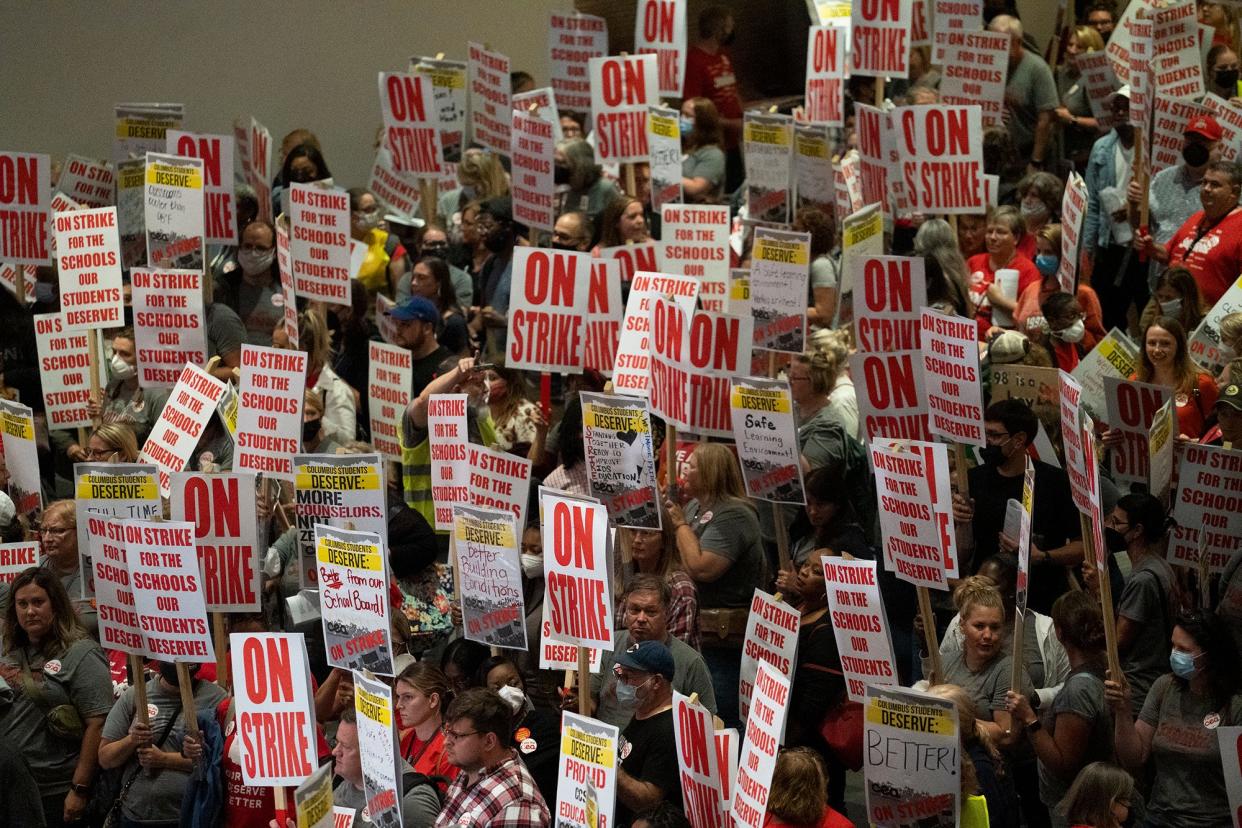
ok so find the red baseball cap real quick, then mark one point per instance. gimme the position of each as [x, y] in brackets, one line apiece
[1205, 126]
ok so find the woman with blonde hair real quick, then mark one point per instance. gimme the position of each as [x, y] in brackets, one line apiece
[339, 406]
[1230, 330]
[112, 443]
[988, 797]
[834, 346]
[702, 138]
[1099, 798]
[1175, 294]
[1079, 127]
[1165, 361]
[481, 176]
[797, 798]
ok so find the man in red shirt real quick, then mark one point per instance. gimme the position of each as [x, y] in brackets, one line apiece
[1209, 244]
[709, 74]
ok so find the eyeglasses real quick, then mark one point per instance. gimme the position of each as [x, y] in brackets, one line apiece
[256, 248]
[55, 531]
[996, 435]
[485, 223]
[453, 736]
[101, 454]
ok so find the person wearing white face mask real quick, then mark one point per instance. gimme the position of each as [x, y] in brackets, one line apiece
[253, 287]
[386, 260]
[1080, 325]
[1176, 294]
[542, 685]
[123, 400]
[535, 730]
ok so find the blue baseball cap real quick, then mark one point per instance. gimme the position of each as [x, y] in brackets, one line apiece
[415, 309]
[648, 657]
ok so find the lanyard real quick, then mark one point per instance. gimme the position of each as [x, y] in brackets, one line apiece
[1203, 230]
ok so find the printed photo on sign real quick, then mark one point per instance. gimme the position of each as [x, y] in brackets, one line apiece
[616, 434]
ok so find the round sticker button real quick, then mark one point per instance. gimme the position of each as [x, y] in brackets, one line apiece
[1211, 721]
[528, 745]
[152, 711]
[52, 667]
[521, 734]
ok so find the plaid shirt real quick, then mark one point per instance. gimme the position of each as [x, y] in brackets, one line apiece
[504, 797]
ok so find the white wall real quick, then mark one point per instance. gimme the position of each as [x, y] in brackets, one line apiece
[296, 63]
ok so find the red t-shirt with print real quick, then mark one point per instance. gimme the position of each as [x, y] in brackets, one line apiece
[1214, 257]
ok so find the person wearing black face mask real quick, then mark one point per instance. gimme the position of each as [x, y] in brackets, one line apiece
[709, 74]
[314, 441]
[1009, 427]
[490, 316]
[572, 231]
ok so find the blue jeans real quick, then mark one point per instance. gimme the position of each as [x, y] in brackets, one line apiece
[725, 666]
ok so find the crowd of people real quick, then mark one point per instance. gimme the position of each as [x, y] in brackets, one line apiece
[1059, 741]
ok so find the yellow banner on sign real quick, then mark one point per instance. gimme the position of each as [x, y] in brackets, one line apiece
[859, 233]
[15, 425]
[372, 706]
[609, 418]
[1116, 356]
[354, 555]
[759, 399]
[117, 487]
[663, 126]
[587, 747]
[489, 532]
[129, 178]
[811, 146]
[317, 806]
[337, 478]
[913, 717]
[777, 136]
[139, 128]
[171, 175]
[444, 78]
[786, 252]
[739, 291]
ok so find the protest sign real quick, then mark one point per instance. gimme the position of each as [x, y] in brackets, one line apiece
[169, 324]
[16, 558]
[779, 273]
[693, 358]
[64, 369]
[448, 89]
[616, 435]
[87, 181]
[25, 194]
[879, 44]
[216, 153]
[698, 763]
[889, 294]
[8, 278]
[727, 748]
[499, 480]
[767, 440]
[1168, 122]
[1206, 500]
[950, 18]
[1230, 119]
[143, 128]
[768, 152]
[633, 257]
[579, 591]
[123, 490]
[108, 566]
[168, 591]
[573, 39]
[631, 373]
[825, 75]
[874, 140]
[976, 67]
[1204, 345]
[1073, 209]
[586, 789]
[88, 260]
[287, 292]
[696, 243]
[772, 639]
[1131, 406]
[1071, 440]
[389, 380]
[223, 510]
[492, 607]
[764, 727]
[859, 624]
[269, 412]
[275, 708]
[941, 158]
[397, 193]
[602, 334]
[1097, 80]
[660, 30]
[664, 144]
[448, 439]
[490, 101]
[378, 750]
[1115, 355]
[739, 293]
[814, 179]
[542, 104]
[1160, 448]
[352, 575]
[951, 368]
[1034, 385]
[319, 247]
[339, 490]
[1231, 760]
[258, 174]
[175, 434]
[131, 206]
[21, 456]
[893, 402]
[1177, 65]
[547, 305]
[621, 90]
[1140, 77]
[915, 524]
[553, 655]
[313, 800]
[173, 212]
[411, 124]
[912, 763]
[533, 150]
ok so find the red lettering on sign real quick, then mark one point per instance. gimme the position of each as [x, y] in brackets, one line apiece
[888, 285]
[405, 98]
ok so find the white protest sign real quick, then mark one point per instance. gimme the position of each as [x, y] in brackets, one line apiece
[448, 85]
[942, 158]
[411, 124]
[575, 567]
[779, 272]
[767, 145]
[1177, 66]
[1160, 448]
[764, 726]
[21, 456]
[1204, 345]
[257, 170]
[88, 260]
[660, 30]
[889, 294]
[553, 655]
[223, 510]
[616, 435]
[8, 278]
[771, 638]
[1071, 441]
[814, 177]
[378, 749]
[287, 292]
[916, 532]
[880, 30]
[275, 712]
[602, 330]
[492, 607]
[767, 439]
[1113, 356]
[859, 624]
[1131, 406]
[25, 195]
[698, 762]
[1140, 77]
[340, 490]
[490, 97]
[664, 143]
[952, 18]
[122, 490]
[142, 127]
[891, 399]
[1098, 81]
[216, 153]
[173, 212]
[544, 102]
[547, 307]
[394, 191]
[621, 90]
[312, 800]
[739, 292]
[951, 377]
[825, 75]
[87, 181]
[573, 39]
[353, 595]
[532, 153]
[499, 480]
[696, 243]
[175, 434]
[1231, 760]
[16, 558]
[1168, 125]
[1230, 119]
[874, 140]
[170, 327]
[1206, 500]
[633, 257]
[168, 591]
[390, 376]
[319, 247]
[912, 758]
[693, 358]
[448, 438]
[631, 373]
[131, 209]
[114, 597]
[976, 68]
[1073, 210]
[586, 788]
[269, 412]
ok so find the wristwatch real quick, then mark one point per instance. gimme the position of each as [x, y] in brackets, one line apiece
[1034, 726]
[81, 790]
